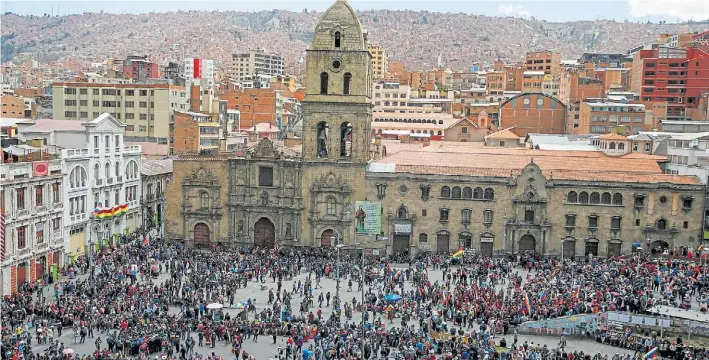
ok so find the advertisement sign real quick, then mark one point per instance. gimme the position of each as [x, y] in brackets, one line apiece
[368, 217]
[402, 229]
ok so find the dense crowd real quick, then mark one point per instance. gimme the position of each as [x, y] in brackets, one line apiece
[469, 313]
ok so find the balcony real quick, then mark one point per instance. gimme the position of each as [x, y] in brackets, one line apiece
[98, 182]
[22, 212]
[43, 245]
[75, 153]
[57, 234]
[119, 179]
[58, 240]
[58, 205]
[109, 180]
[24, 251]
[40, 209]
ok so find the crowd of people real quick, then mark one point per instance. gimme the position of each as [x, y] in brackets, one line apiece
[140, 300]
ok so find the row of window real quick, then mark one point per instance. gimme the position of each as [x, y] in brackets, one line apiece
[78, 175]
[108, 92]
[660, 224]
[39, 195]
[39, 233]
[467, 193]
[595, 198]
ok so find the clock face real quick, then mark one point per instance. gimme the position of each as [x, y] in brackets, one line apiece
[540, 102]
[526, 101]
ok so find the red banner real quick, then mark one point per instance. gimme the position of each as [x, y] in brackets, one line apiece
[40, 168]
[197, 68]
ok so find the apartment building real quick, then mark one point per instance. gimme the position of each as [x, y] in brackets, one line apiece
[547, 61]
[380, 62]
[255, 106]
[672, 75]
[139, 68]
[145, 109]
[532, 81]
[13, 107]
[197, 69]
[103, 177]
[255, 62]
[32, 203]
[550, 85]
[194, 133]
[604, 117]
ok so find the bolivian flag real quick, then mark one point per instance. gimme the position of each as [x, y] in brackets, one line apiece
[111, 212]
[458, 254]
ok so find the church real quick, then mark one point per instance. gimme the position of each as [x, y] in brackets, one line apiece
[345, 186]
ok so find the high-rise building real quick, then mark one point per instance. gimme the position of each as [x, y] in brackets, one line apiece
[146, 109]
[672, 75]
[255, 62]
[547, 61]
[380, 62]
[197, 69]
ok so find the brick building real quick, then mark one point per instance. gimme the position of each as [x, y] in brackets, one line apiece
[256, 105]
[533, 113]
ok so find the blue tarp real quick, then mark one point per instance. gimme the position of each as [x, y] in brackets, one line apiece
[392, 298]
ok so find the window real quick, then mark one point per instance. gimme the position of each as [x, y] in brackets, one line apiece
[332, 206]
[639, 200]
[265, 176]
[38, 198]
[445, 192]
[489, 194]
[203, 200]
[338, 39]
[117, 198]
[83, 91]
[464, 130]
[455, 194]
[529, 216]
[593, 222]
[21, 236]
[487, 216]
[69, 91]
[108, 92]
[687, 203]
[129, 104]
[615, 223]
[70, 114]
[424, 212]
[84, 114]
[143, 116]
[661, 224]
[595, 198]
[685, 225]
[467, 193]
[423, 238]
[444, 215]
[401, 213]
[466, 215]
[617, 199]
[323, 83]
[143, 104]
[346, 87]
[570, 220]
[130, 92]
[606, 198]
[502, 143]
[145, 92]
[21, 199]
[571, 197]
[55, 192]
[107, 199]
[583, 197]
[69, 102]
[478, 193]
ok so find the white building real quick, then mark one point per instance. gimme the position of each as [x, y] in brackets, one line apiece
[31, 194]
[154, 177]
[103, 175]
[196, 69]
[255, 62]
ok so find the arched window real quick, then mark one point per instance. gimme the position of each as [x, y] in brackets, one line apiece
[97, 171]
[445, 192]
[322, 139]
[572, 197]
[323, 83]
[617, 199]
[107, 170]
[345, 139]
[489, 194]
[478, 193]
[467, 193]
[621, 146]
[77, 178]
[118, 168]
[331, 206]
[402, 213]
[346, 87]
[132, 170]
[423, 237]
[612, 146]
[440, 132]
[456, 192]
[661, 224]
[204, 200]
[338, 39]
[606, 198]
[583, 197]
[595, 198]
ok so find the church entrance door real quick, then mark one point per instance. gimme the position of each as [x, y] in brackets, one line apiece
[264, 233]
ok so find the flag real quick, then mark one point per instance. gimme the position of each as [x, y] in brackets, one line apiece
[2, 235]
[526, 305]
[700, 247]
[652, 354]
[543, 295]
[575, 294]
[458, 254]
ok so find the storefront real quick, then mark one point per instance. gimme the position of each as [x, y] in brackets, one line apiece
[487, 244]
[401, 241]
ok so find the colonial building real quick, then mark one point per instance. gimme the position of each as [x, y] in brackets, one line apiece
[432, 197]
[154, 175]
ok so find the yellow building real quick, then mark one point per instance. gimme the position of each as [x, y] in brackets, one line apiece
[146, 109]
[380, 62]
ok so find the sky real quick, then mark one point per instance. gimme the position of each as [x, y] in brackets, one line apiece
[550, 10]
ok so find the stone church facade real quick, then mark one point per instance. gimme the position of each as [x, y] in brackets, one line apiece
[433, 199]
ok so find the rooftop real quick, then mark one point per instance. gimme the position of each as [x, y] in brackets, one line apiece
[149, 167]
[49, 125]
[504, 134]
[612, 136]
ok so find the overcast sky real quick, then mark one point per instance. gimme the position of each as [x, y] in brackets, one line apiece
[567, 10]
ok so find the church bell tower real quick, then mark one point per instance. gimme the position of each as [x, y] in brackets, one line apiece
[337, 114]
